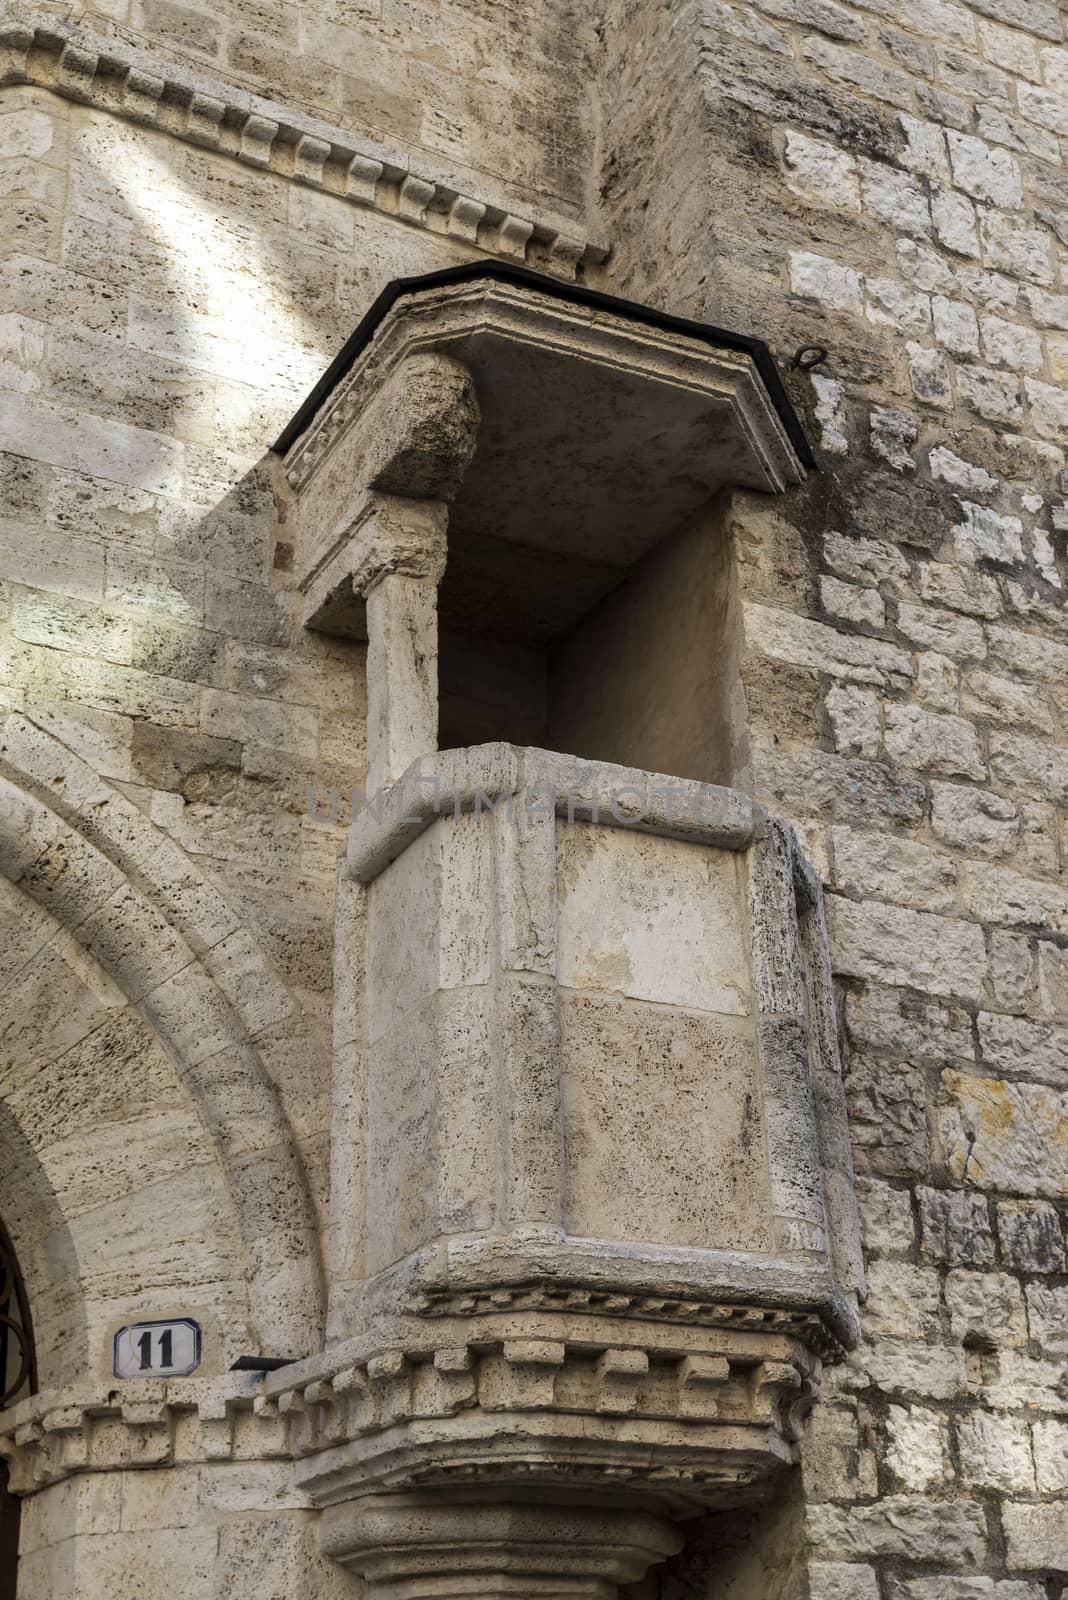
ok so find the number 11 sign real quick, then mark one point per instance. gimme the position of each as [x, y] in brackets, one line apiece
[157, 1349]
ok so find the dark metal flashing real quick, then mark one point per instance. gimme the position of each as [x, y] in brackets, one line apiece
[578, 294]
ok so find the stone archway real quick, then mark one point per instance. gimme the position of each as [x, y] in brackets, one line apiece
[169, 983]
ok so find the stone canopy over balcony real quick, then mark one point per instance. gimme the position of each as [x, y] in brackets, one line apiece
[568, 433]
[593, 1226]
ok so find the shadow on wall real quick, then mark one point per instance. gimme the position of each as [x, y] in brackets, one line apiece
[163, 1063]
[753, 1554]
[500, 88]
[179, 1116]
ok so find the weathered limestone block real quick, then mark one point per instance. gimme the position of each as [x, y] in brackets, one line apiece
[954, 1228]
[886, 1218]
[995, 1452]
[1052, 980]
[856, 720]
[920, 1028]
[917, 1447]
[903, 1300]
[986, 1307]
[887, 1116]
[1034, 1049]
[1006, 1135]
[943, 744]
[872, 864]
[996, 894]
[907, 1526]
[1050, 1441]
[801, 642]
[842, 1580]
[1037, 1536]
[948, 1588]
[838, 1454]
[1030, 1233]
[1010, 975]
[898, 946]
[1047, 1308]
[974, 819]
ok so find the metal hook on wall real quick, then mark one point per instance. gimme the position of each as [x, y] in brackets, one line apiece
[809, 356]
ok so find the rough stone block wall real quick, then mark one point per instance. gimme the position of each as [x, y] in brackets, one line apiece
[885, 179]
[888, 180]
[164, 312]
[199, 1527]
[503, 90]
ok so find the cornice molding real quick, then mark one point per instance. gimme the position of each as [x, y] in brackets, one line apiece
[143, 1422]
[705, 1412]
[114, 76]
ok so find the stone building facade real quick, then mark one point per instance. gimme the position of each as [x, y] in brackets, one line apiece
[536, 1140]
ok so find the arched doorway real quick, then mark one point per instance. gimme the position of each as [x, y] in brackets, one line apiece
[18, 1377]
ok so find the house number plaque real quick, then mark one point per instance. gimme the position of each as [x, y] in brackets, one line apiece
[157, 1349]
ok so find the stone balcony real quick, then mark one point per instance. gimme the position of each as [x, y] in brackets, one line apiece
[593, 1224]
[604, 1196]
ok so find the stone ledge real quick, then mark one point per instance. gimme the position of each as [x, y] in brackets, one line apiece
[441, 1297]
[684, 1426]
[730, 1288]
[141, 1423]
[604, 354]
[113, 76]
[452, 782]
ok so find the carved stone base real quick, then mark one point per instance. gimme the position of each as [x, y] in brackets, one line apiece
[539, 1467]
[411, 1547]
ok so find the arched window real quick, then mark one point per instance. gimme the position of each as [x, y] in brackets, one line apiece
[18, 1377]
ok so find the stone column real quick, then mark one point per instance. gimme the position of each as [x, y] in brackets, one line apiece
[398, 576]
[374, 475]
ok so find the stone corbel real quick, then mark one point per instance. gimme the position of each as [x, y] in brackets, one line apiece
[374, 486]
[408, 1549]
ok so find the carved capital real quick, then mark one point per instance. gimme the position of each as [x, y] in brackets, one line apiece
[385, 534]
[401, 537]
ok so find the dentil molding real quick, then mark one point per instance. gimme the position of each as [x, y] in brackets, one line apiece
[140, 86]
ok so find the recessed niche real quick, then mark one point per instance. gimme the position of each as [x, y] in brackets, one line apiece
[634, 665]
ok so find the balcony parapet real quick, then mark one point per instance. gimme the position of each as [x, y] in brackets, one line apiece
[604, 1233]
